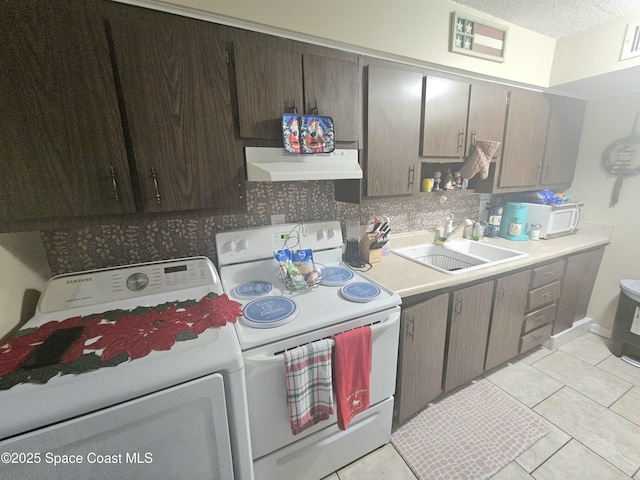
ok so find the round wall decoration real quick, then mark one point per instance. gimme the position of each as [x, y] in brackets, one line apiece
[618, 159]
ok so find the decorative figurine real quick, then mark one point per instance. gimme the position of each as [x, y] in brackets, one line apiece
[457, 181]
[436, 181]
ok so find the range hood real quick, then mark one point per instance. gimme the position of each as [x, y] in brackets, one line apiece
[268, 164]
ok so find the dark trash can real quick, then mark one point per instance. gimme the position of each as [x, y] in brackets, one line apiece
[625, 336]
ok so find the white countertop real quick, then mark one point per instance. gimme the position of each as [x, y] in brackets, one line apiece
[408, 278]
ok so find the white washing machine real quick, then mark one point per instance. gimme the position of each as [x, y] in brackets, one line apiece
[174, 414]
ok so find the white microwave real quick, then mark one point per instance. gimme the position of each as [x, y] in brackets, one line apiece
[554, 220]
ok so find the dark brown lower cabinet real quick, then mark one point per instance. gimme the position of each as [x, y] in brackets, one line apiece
[468, 330]
[577, 286]
[422, 342]
[509, 306]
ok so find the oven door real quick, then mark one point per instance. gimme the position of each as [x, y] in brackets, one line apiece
[266, 387]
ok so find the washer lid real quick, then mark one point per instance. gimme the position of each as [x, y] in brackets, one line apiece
[269, 312]
[631, 288]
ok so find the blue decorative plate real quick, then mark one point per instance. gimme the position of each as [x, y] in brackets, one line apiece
[360, 292]
[269, 312]
[336, 276]
[252, 289]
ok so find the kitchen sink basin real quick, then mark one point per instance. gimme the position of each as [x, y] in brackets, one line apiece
[459, 256]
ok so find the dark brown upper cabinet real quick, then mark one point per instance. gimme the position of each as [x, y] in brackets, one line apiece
[177, 104]
[446, 103]
[524, 140]
[563, 140]
[62, 151]
[271, 82]
[331, 88]
[457, 113]
[392, 131]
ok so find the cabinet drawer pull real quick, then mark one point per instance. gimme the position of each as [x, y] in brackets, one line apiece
[154, 177]
[114, 182]
[550, 274]
[541, 317]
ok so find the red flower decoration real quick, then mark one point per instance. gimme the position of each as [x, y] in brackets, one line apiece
[16, 349]
[92, 329]
[213, 312]
[138, 335]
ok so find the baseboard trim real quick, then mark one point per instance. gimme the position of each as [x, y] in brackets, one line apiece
[579, 328]
[600, 330]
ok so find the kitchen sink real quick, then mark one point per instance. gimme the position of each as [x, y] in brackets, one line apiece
[459, 256]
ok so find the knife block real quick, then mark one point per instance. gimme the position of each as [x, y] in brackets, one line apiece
[371, 256]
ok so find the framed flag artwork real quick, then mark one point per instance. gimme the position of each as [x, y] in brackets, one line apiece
[477, 37]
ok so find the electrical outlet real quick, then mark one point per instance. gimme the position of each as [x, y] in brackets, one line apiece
[277, 219]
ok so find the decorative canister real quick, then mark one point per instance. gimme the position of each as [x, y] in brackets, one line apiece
[534, 231]
[427, 185]
[495, 218]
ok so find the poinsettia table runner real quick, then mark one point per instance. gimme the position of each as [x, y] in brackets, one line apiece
[113, 337]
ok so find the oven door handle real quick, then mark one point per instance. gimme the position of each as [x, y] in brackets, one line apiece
[279, 358]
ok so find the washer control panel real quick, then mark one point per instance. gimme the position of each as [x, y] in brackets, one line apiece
[116, 284]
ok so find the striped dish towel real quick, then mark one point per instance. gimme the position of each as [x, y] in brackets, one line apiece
[309, 386]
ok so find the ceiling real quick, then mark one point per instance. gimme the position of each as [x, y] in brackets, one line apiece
[554, 18]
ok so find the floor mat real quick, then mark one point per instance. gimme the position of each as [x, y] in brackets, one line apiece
[471, 433]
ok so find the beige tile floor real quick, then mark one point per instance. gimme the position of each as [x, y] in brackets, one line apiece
[591, 400]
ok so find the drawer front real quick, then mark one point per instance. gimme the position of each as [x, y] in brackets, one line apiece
[547, 274]
[543, 295]
[535, 338]
[540, 317]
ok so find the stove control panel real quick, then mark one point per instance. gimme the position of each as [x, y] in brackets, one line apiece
[95, 287]
[259, 243]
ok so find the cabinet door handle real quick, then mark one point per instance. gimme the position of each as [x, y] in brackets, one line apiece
[460, 139]
[501, 294]
[587, 264]
[412, 175]
[473, 138]
[154, 177]
[459, 305]
[411, 327]
[114, 183]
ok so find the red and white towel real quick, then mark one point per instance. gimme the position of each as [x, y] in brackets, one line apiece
[309, 385]
[351, 373]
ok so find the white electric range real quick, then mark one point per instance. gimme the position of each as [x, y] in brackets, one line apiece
[278, 318]
[177, 413]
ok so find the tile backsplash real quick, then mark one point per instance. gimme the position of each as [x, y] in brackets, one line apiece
[134, 239]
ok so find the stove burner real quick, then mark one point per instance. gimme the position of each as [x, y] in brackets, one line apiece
[269, 312]
[360, 292]
[336, 276]
[252, 289]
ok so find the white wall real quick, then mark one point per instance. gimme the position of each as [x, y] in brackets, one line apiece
[401, 29]
[24, 269]
[607, 120]
[593, 52]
